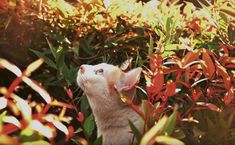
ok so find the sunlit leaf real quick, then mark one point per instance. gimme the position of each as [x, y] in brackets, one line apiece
[44, 130]
[228, 10]
[61, 127]
[3, 103]
[126, 64]
[33, 66]
[11, 67]
[12, 120]
[64, 7]
[154, 131]
[170, 124]
[26, 110]
[38, 88]
[166, 140]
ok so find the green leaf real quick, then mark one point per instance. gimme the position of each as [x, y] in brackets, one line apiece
[178, 134]
[76, 142]
[98, 141]
[53, 50]
[47, 60]
[85, 46]
[136, 132]
[89, 125]
[28, 135]
[170, 124]
[39, 142]
[150, 50]
[1, 117]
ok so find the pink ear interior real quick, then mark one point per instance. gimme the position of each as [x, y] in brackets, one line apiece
[128, 80]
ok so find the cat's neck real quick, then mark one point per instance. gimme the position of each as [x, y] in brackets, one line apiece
[111, 112]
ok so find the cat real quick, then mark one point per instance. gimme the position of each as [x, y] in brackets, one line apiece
[100, 83]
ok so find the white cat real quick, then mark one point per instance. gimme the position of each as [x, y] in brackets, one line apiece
[111, 115]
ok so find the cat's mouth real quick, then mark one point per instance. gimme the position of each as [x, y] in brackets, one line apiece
[81, 81]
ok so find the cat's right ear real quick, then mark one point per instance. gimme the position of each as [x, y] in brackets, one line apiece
[128, 80]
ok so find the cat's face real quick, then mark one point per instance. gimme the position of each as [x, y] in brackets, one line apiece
[97, 77]
[101, 79]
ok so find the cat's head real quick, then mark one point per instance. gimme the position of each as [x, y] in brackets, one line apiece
[101, 80]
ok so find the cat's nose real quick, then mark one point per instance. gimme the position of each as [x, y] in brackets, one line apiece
[81, 69]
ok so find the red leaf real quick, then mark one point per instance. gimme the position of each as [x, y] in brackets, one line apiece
[158, 81]
[208, 64]
[69, 92]
[196, 94]
[195, 26]
[189, 57]
[71, 133]
[170, 88]
[229, 96]
[80, 117]
[210, 106]
[226, 78]
[155, 62]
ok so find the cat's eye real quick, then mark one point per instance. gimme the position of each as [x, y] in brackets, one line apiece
[99, 71]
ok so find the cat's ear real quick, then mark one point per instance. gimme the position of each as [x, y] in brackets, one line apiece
[128, 80]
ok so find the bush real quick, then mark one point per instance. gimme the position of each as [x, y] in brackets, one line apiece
[185, 48]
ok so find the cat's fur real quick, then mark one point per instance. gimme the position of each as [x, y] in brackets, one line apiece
[111, 115]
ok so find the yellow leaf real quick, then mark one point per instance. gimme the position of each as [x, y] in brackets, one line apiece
[167, 140]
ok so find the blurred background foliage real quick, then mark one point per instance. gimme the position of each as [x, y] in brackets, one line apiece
[191, 42]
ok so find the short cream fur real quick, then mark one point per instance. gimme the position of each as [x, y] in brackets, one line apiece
[111, 115]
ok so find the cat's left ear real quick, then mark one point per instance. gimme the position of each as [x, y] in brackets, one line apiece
[128, 80]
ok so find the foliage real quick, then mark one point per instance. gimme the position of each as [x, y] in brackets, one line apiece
[32, 121]
[186, 50]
